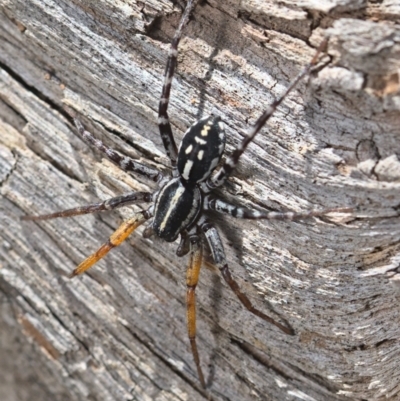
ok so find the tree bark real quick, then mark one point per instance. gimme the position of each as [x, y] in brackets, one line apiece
[119, 332]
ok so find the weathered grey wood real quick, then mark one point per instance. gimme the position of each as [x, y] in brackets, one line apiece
[119, 331]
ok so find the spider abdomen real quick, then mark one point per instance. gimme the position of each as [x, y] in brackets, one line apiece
[177, 206]
[201, 149]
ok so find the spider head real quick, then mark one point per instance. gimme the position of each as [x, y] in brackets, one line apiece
[176, 207]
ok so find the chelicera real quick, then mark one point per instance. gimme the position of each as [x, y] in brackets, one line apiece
[181, 200]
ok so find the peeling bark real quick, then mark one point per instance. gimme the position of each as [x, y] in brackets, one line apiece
[119, 331]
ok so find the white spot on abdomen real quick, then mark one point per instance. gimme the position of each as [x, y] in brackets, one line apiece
[204, 131]
[199, 140]
[186, 169]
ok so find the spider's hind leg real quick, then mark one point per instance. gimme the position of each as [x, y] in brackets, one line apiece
[119, 236]
[192, 278]
[218, 254]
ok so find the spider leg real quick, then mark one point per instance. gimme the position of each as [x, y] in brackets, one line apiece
[218, 254]
[184, 245]
[192, 278]
[223, 207]
[231, 162]
[148, 232]
[163, 119]
[125, 163]
[109, 204]
[119, 236]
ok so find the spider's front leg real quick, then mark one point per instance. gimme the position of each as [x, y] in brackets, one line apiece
[125, 163]
[223, 207]
[231, 162]
[109, 204]
[163, 119]
[218, 254]
[192, 278]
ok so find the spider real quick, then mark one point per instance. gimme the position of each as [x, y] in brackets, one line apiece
[181, 200]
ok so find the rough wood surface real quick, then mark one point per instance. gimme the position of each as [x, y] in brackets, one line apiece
[118, 332]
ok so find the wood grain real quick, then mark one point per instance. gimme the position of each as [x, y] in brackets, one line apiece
[119, 332]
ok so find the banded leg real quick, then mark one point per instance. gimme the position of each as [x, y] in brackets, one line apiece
[232, 161]
[184, 244]
[119, 236]
[218, 254]
[192, 278]
[163, 119]
[220, 206]
[125, 163]
[110, 204]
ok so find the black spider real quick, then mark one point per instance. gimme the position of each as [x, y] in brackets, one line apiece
[180, 199]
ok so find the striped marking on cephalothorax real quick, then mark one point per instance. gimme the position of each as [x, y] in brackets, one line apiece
[172, 206]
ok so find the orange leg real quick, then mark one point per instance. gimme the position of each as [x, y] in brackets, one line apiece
[192, 278]
[119, 236]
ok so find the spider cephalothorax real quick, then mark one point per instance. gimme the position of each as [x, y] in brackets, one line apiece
[181, 200]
